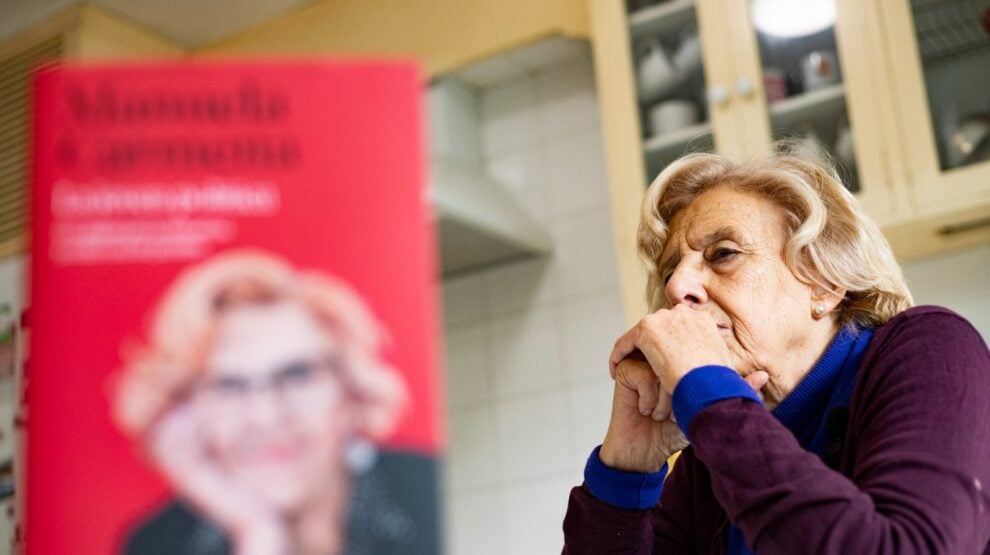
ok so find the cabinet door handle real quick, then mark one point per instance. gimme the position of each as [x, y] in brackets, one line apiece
[745, 88]
[718, 95]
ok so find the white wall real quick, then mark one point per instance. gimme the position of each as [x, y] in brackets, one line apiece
[960, 281]
[527, 343]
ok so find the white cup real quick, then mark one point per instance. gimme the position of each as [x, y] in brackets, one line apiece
[657, 75]
[671, 115]
[688, 55]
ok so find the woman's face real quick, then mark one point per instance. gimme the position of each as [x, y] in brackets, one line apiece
[724, 256]
[275, 414]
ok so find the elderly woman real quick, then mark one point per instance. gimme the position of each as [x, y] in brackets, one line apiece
[256, 398]
[819, 411]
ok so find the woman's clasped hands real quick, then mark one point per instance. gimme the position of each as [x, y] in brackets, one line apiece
[647, 363]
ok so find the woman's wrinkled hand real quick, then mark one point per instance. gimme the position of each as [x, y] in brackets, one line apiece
[674, 342]
[647, 363]
[179, 452]
[641, 435]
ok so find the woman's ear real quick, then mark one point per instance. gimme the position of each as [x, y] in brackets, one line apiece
[824, 300]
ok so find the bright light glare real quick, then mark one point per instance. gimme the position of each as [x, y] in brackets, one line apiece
[793, 18]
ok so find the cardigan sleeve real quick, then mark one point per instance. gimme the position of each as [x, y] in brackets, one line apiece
[919, 437]
[593, 526]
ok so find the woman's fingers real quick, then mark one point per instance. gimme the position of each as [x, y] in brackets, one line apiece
[648, 388]
[180, 454]
[624, 345]
[653, 400]
[757, 380]
[637, 375]
[664, 406]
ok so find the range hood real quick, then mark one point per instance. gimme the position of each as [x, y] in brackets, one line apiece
[479, 224]
[478, 221]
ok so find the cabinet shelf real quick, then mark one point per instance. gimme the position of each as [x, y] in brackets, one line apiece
[663, 19]
[666, 147]
[820, 107]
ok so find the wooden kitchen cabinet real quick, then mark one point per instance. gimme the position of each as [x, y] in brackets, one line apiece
[877, 92]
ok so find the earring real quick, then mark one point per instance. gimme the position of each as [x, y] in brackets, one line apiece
[360, 455]
[820, 310]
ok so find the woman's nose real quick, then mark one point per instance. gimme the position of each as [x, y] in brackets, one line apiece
[686, 285]
[264, 407]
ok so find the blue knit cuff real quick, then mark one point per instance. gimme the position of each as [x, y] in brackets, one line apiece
[629, 490]
[705, 386]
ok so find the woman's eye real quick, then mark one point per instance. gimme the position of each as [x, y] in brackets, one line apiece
[723, 255]
[228, 386]
[298, 372]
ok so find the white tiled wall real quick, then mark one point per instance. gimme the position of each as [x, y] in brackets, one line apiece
[527, 343]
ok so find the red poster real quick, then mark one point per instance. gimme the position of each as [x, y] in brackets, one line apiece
[233, 329]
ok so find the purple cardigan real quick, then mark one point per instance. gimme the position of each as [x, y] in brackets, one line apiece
[912, 474]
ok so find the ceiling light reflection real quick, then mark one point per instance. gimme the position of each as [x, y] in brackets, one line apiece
[792, 18]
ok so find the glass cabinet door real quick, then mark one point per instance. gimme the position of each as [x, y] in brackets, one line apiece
[670, 80]
[953, 38]
[939, 56]
[802, 78]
